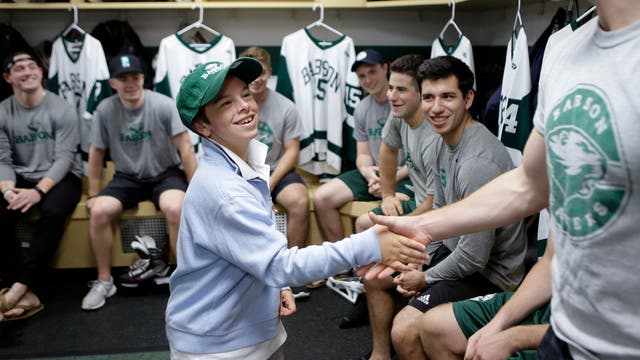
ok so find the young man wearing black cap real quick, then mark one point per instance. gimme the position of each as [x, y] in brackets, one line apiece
[147, 143]
[370, 115]
[232, 262]
[39, 168]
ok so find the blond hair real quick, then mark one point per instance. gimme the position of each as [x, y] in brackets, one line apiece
[259, 54]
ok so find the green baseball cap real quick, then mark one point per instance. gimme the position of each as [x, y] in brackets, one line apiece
[204, 83]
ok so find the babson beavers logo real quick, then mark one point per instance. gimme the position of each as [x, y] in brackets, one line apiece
[589, 177]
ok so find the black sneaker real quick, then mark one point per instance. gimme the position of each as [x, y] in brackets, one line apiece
[300, 292]
[152, 268]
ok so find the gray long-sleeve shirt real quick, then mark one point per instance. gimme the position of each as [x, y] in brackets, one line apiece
[38, 142]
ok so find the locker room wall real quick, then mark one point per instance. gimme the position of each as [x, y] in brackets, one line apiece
[409, 26]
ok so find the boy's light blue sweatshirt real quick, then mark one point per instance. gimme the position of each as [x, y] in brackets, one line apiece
[232, 262]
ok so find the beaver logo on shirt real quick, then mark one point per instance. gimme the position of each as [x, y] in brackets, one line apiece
[589, 178]
[135, 134]
[265, 134]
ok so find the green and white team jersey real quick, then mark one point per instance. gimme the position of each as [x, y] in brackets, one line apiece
[515, 120]
[317, 76]
[588, 114]
[461, 50]
[79, 74]
[177, 58]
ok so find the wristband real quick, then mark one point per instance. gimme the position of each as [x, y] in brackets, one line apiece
[39, 190]
[4, 193]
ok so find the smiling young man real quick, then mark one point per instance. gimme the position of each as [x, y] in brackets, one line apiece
[227, 291]
[147, 143]
[39, 168]
[465, 156]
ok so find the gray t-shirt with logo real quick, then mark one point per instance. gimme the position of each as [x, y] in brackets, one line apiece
[39, 142]
[140, 141]
[498, 255]
[416, 144]
[588, 112]
[279, 122]
[370, 117]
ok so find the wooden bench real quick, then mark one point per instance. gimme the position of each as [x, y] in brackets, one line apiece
[75, 246]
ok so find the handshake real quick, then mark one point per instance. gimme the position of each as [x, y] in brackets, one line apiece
[400, 246]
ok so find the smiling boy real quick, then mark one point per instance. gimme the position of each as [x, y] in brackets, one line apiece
[232, 262]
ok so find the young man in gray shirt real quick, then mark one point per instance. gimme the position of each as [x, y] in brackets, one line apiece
[464, 157]
[147, 144]
[39, 168]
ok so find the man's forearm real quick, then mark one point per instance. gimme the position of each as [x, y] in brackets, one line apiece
[6, 185]
[388, 168]
[287, 163]
[525, 337]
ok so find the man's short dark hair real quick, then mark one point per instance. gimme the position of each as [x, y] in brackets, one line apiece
[408, 65]
[442, 67]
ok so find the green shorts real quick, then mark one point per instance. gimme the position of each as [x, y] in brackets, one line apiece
[474, 313]
[360, 188]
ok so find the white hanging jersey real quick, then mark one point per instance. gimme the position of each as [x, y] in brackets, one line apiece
[177, 58]
[515, 120]
[317, 76]
[79, 74]
[461, 49]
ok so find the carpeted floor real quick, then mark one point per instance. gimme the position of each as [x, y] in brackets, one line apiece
[131, 326]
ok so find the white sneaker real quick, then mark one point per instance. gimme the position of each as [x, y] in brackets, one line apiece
[100, 291]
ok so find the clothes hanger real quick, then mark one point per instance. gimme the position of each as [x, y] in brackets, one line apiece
[518, 18]
[74, 24]
[451, 21]
[320, 22]
[586, 13]
[198, 24]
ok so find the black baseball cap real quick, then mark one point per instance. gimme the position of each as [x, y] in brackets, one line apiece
[368, 56]
[123, 64]
[10, 60]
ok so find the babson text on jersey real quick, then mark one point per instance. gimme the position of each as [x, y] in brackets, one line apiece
[324, 72]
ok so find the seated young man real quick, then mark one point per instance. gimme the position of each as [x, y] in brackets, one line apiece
[465, 156]
[40, 168]
[148, 144]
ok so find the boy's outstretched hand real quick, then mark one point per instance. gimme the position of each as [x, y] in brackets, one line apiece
[406, 228]
[398, 251]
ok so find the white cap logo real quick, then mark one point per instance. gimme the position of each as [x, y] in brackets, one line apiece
[124, 60]
[361, 56]
[211, 69]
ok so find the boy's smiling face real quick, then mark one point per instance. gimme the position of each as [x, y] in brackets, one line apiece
[232, 116]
